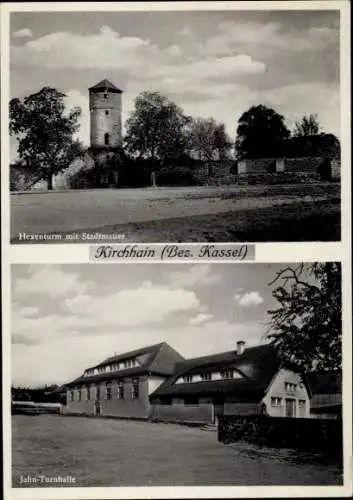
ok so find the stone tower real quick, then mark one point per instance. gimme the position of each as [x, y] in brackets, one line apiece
[105, 111]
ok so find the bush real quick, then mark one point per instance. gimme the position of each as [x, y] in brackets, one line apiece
[176, 176]
[304, 434]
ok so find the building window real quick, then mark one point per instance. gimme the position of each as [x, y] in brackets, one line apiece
[191, 401]
[206, 376]
[301, 403]
[120, 390]
[72, 395]
[109, 390]
[106, 139]
[98, 392]
[187, 379]
[276, 401]
[79, 394]
[88, 392]
[227, 373]
[106, 112]
[105, 95]
[135, 388]
[290, 387]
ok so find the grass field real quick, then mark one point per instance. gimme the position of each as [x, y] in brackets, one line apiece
[103, 452]
[303, 212]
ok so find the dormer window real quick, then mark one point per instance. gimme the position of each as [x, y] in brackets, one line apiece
[187, 379]
[290, 387]
[206, 376]
[225, 374]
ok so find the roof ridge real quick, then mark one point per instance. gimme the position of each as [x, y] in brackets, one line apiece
[105, 83]
[219, 354]
[129, 353]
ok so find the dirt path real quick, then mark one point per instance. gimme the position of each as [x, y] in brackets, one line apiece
[95, 210]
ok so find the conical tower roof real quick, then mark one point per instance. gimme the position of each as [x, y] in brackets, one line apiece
[104, 85]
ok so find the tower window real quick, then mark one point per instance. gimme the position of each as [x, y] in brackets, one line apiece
[107, 112]
[106, 139]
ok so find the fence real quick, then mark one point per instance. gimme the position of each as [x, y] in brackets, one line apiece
[302, 434]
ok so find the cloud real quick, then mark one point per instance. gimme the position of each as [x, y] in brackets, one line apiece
[231, 35]
[107, 49]
[294, 101]
[23, 33]
[51, 281]
[249, 299]
[148, 304]
[41, 363]
[110, 51]
[186, 31]
[29, 311]
[199, 275]
[200, 319]
[29, 329]
[85, 314]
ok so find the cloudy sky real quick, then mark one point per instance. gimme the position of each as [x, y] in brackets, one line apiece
[210, 63]
[68, 317]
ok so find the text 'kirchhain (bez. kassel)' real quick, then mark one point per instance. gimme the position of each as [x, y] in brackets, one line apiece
[172, 252]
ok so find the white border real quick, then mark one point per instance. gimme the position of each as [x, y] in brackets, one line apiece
[265, 252]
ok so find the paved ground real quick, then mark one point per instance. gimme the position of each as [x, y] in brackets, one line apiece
[102, 452]
[209, 213]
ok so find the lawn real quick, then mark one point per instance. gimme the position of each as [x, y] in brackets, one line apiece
[107, 452]
[303, 212]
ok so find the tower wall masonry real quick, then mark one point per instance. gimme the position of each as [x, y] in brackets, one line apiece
[105, 117]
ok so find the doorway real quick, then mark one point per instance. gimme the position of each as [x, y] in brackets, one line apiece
[97, 407]
[217, 411]
[290, 408]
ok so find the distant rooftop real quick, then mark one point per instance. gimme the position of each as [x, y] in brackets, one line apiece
[105, 85]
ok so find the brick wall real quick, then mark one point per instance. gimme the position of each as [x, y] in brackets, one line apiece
[105, 118]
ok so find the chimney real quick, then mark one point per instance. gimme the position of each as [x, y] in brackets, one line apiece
[240, 347]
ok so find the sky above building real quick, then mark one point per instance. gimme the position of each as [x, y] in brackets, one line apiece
[208, 62]
[66, 318]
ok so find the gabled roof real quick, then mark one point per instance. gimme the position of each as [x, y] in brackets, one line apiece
[157, 359]
[257, 365]
[105, 85]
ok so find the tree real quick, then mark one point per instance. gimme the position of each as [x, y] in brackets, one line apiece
[306, 328]
[308, 125]
[261, 133]
[208, 139]
[324, 145]
[44, 131]
[156, 128]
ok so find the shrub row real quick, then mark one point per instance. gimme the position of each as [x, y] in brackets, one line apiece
[303, 434]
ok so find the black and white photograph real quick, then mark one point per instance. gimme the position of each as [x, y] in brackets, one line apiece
[176, 375]
[176, 252]
[175, 126]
